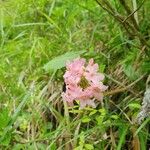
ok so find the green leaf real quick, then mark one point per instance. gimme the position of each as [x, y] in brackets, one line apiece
[145, 66]
[143, 140]
[142, 126]
[89, 146]
[92, 112]
[102, 67]
[130, 72]
[4, 118]
[115, 117]
[18, 147]
[123, 129]
[82, 140]
[99, 119]
[102, 111]
[53, 146]
[134, 106]
[6, 140]
[78, 148]
[60, 61]
[86, 119]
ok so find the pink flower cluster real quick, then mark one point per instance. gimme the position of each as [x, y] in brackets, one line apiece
[83, 83]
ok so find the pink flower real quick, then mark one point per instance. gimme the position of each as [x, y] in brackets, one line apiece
[83, 83]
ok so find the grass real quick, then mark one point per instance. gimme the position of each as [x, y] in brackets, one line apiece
[36, 38]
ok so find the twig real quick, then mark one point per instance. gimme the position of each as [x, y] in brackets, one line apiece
[118, 17]
[128, 10]
[119, 90]
[122, 112]
[131, 14]
[124, 22]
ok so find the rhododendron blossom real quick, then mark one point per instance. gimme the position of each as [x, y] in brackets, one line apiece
[83, 83]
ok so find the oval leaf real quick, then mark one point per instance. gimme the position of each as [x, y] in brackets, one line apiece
[60, 61]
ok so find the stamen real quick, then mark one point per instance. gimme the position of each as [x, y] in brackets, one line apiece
[83, 83]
